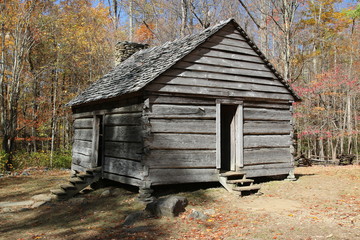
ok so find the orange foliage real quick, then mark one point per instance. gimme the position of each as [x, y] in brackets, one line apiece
[144, 33]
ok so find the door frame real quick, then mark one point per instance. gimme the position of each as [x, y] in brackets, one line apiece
[239, 139]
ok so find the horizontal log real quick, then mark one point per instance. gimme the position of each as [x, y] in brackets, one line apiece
[226, 55]
[266, 114]
[83, 123]
[83, 147]
[123, 119]
[276, 171]
[78, 158]
[125, 150]
[123, 167]
[166, 99]
[123, 133]
[126, 109]
[122, 179]
[285, 106]
[220, 69]
[180, 159]
[216, 61]
[79, 168]
[83, 134]
[215, 92]
[175, 176]
[267, 141]
[222, 47]
[229, 41]
[267, 127]
[221, 84]
[182, 126]
[230, 32]
[180, 141]
[179, 111]
[267, 155]
[222, 76]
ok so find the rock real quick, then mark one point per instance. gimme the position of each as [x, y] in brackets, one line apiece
[16, 204]
[209, 212]
[132, 218]
[25, 173]
[39, 204]
[77, 201]
[42, 197]
[6, 210]
[169, 207]
[105, 193]
[198, 215]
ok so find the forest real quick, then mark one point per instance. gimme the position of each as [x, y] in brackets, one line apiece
[52, 50]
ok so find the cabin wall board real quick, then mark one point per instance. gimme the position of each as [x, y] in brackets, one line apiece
[174, 176]
[82, 139]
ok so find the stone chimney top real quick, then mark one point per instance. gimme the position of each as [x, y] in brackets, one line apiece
[124, 50]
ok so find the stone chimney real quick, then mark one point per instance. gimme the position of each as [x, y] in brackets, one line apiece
[124, 50]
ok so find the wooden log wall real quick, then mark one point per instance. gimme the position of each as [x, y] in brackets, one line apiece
[225, 66]
[181, 140]
[82, 143]
[123, 145]
[267, 139]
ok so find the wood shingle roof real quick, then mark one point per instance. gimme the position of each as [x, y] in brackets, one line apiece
[144, 66]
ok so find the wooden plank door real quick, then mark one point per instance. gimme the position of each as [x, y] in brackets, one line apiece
[229, 135]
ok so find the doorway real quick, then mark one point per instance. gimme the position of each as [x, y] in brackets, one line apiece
[229, 135]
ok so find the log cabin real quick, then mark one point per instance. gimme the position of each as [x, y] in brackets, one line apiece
[203, 108]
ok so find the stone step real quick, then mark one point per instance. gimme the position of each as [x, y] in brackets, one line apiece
[247, 188]
[83, 176]
[232, 174]
[58, 192]
[240, 181]
[67, 187]
[77, 180]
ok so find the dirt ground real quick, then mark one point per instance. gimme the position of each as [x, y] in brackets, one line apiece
[324, 203]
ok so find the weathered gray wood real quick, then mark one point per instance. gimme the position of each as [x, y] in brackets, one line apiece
[179, 111]
[227, 48]
[78, 158]
[78, 168]
[180, 159]
[177, 100]
[268, 166]
[95, 141]
[267, 127]
[123, 133]
[268, 105]
[221, 84]
[276, 171]
[83, 134]
[220, 69]
[123, 119]
[266, 155]
[218, 135]
[182, 126]
[123, 167]
[126, 150]
[222, 76]
[126, 109]
[83, 123]
[239, 137]
[228, 31]
[215, 92]
[181, 141]
[226, 62]
[226, 55]
[264, 141]
[266, 114]
[229, 42]
[81, 146]
[173, 176]
[122, 179]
